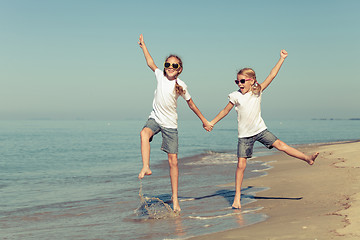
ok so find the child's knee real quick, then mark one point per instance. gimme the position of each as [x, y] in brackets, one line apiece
[173, 161]
[145, 133]
[280, 145]
[241, 164]
[142, 133]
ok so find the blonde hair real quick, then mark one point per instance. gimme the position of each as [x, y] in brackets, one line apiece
[178, 89]
[250, 73]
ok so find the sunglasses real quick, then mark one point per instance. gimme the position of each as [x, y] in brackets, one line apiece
[174, 65]
[242, 80]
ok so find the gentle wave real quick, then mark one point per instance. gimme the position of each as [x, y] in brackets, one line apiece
[215, 158]
[238, 212]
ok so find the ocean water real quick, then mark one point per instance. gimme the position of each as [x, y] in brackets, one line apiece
[78, 179]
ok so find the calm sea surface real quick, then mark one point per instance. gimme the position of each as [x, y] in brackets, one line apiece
[78, 179]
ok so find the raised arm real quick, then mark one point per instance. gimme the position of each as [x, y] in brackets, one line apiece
[222, 113]
[274, 71]
[206, 125]
[149, 60]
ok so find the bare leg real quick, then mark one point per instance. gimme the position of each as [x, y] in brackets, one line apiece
[239, 176]
[174, 178]
[145, 136]
[281, 146]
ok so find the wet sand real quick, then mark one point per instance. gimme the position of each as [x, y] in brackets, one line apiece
[307, 202]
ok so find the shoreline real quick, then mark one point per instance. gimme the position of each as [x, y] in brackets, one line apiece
[306, 202]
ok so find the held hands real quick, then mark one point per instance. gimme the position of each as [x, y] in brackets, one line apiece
[208, 126]
[283, 54]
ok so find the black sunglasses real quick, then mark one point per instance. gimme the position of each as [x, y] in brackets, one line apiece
[174, 65]
[242, 80]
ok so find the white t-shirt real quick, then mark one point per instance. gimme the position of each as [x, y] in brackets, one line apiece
[165, 100]
[248, 108]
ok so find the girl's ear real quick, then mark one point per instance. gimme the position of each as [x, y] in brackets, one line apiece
[180, 71]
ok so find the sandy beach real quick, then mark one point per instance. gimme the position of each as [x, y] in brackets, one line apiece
[307, 202]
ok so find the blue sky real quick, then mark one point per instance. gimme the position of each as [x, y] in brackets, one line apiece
[80, 59]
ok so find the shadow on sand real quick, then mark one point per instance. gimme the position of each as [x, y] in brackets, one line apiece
[230, 194]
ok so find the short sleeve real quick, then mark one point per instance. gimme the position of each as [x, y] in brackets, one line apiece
[186, 95]
[232, 98]
[158, 73]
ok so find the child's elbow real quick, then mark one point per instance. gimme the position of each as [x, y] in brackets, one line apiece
[225, 112]
[150, 63]
[191, 106]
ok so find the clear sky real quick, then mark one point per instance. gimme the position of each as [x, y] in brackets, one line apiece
[80, 59]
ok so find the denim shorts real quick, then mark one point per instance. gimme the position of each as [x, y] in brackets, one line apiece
[246, 145]
[170, 142]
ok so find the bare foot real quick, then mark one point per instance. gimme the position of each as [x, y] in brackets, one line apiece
[144, 171]
[312, 158]
[236, 204]
[176, 205]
